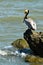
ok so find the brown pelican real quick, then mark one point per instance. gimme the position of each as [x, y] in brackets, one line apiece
[29, 22]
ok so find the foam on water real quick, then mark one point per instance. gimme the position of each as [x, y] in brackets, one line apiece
[8, 51]
[3, 53]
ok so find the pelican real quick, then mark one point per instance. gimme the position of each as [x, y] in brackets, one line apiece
[29, 22]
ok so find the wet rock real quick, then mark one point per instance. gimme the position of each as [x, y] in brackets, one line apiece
[20, 44]
[32, 58]
[35, 41]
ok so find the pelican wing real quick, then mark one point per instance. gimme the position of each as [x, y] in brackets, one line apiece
[30, 23]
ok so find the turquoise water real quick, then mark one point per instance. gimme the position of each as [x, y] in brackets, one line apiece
[12, 26]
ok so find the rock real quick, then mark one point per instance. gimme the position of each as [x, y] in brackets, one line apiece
[32, 58]
[35, 41]
[20, 44]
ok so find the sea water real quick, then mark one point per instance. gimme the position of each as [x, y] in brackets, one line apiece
[12, 26]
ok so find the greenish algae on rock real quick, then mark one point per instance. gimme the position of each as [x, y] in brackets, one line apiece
[20, 44]
[32, 58]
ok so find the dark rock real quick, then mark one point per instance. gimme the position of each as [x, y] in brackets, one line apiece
[35, 41]
[26, 51]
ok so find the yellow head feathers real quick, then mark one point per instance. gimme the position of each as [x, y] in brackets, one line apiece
[26, 11]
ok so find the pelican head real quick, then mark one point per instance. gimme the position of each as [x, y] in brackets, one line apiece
[26, 11]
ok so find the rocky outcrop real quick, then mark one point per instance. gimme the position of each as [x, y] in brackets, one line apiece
[32, 58]
[20, 44]
[35, 41]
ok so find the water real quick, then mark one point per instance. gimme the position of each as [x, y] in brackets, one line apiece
[12, 26]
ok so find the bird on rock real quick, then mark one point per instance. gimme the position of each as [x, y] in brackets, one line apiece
[29, 22]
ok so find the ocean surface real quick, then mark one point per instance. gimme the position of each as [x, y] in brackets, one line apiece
[12, 26]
